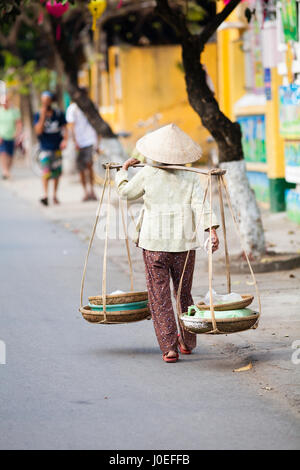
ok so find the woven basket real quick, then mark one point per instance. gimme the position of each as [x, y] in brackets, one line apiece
[224, 325]
[247, 300]
[124, 298]
[125, 316]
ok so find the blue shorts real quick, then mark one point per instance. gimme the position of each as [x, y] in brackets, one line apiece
[7, 146]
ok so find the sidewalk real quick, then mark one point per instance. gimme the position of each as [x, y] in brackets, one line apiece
[269, 348]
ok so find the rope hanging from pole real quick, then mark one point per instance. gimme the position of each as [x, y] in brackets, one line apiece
[208, 190]
[221, 183]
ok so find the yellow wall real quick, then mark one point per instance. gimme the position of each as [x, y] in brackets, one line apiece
[147, 90]
[275, 142]
[231, 79]
[230, 61]
[231, 70]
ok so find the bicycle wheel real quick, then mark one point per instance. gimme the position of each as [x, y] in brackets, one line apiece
[35, 161]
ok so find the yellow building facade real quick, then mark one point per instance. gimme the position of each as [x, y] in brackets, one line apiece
[144, 88]
[249, 93]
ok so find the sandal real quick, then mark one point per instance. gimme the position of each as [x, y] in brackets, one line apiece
[170, 359]
[93, 197]
[44, 201]
[182, 349]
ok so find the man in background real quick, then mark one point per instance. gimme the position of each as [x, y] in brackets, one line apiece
[10, 126]
[86, 141]
[50, 127]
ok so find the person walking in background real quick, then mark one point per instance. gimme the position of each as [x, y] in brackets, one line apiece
[50, 127]
[86, 141]
[10, 126]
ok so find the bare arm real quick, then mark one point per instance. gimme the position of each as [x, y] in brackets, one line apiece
[198, 209]
[18, 126]
[39, 126]
[64, 142]
[72, 133]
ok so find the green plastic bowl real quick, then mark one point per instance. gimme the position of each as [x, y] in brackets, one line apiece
[120, 307]
[219, 314]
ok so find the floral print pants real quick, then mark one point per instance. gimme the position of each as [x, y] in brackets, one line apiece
[160, 266]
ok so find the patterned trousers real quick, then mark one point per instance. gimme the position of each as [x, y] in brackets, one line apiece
[160, 266]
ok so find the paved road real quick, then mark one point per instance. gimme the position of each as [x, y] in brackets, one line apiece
[71, 385]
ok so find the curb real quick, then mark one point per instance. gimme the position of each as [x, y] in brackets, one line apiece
[270, 262]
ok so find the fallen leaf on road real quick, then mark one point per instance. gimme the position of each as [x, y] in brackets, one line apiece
[267, 388]
[245, 368]
[291, 232]
[250, 283]
[292, 276]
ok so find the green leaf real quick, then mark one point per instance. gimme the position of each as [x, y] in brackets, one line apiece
[23, 90]
[179, 66]
[195, 12]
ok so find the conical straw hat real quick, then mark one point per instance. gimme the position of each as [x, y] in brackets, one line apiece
[169, 144]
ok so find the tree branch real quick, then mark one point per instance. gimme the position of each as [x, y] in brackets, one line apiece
[212, 27]
[9, 40]
[174, 18]
[125, 10]
[3, 40]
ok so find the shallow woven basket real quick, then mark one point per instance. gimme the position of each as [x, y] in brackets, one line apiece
[247, 300]
[224, 325]
[125, 298]
[125, 316]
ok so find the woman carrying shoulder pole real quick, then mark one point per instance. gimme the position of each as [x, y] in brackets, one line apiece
[166, 231]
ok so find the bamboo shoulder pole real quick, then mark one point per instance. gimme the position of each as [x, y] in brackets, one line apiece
[214, 172]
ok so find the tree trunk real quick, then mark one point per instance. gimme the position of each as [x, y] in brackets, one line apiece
[245, 206]
[69, 64]
[110, 144]
[228, 137]
[26, 114]
[226, 133]
[111, 147]
[59, 82]
[87, 106]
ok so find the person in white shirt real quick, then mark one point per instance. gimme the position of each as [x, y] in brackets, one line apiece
[86, 140]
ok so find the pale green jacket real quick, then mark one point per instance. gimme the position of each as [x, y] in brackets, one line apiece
[172, 205]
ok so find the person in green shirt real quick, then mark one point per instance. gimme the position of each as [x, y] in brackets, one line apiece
[10, 125]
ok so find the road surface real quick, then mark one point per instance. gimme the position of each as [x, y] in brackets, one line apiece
[71, 385]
